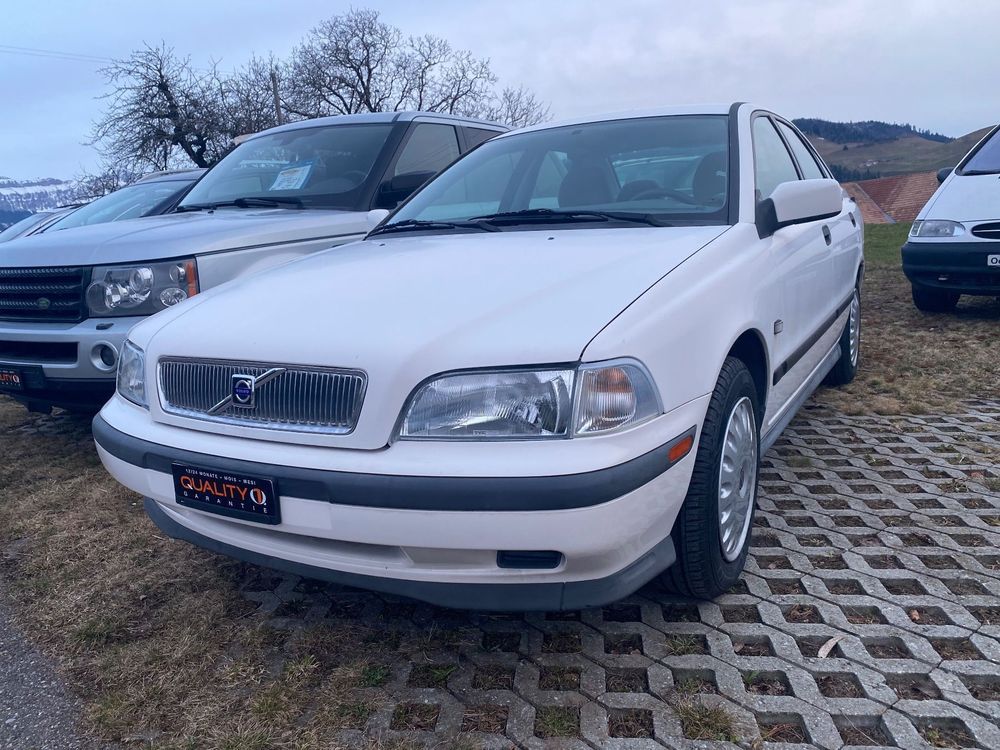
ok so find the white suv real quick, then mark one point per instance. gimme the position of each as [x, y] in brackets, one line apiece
[545, 380]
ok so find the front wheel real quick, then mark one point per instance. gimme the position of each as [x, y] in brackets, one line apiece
[934, 300]
[712, 531]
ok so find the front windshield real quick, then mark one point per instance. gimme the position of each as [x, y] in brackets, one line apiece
[128, 203]
[660, 170]
[21, 227]
[987, 159]
[317, 167]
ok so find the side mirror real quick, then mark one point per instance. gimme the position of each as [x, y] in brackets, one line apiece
[375, 216]
[799, 202]
[393, 191]
[943, 174]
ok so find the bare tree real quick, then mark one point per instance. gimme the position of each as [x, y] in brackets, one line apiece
[358, 63]
[111, 176]
[158, 106]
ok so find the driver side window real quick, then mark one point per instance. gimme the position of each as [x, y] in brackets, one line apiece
[430, 148]
[773, 164]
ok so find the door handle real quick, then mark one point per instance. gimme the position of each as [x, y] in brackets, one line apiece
[826, 235]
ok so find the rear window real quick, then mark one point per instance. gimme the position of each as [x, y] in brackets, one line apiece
[987, 159]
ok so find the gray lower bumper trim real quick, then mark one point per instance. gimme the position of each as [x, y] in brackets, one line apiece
[490, 596]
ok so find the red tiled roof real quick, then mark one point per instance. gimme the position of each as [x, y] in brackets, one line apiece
[870, 211]
[902, 196]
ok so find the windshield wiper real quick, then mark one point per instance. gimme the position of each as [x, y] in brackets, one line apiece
[974, 172]
[416, 225]
[253, 201]
[548, 215]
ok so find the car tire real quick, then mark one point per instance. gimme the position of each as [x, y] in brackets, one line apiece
[934, 300]
[850, 346]
[709, 561]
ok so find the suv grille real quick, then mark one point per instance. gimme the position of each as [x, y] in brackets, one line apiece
[300, 399]
[50, 294]
[987, 231]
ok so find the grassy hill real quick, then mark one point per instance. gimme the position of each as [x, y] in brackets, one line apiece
[910, 152]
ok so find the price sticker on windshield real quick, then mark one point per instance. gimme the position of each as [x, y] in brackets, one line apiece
[292, 178]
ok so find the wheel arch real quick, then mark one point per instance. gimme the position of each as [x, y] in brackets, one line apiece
[751, 350]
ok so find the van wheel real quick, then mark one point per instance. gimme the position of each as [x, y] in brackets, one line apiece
[934, 300]
[850, 347]
[712, 532]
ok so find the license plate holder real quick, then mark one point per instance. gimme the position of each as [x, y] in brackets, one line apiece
[11, 379]
[227, 493]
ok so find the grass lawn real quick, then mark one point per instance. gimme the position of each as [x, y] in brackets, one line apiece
[167, 654]
[914, 362]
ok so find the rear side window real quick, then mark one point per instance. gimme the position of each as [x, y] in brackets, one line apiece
[987, 159]
[807, 162]
[772, 163]
[431, 148]
[475, 136]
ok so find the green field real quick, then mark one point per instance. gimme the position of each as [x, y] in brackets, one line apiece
[882, 244]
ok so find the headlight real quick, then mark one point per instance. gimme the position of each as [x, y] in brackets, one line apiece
[525, 404]
[492, 405]
[141, 289]
[132, 374]
[936, 228]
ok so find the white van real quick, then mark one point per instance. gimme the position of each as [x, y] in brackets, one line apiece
[954, 245]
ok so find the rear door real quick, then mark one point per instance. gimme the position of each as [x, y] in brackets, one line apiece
[799, 287]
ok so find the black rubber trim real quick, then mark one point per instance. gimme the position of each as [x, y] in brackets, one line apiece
[558, 492]
[799, 353]
[482, 596]
[964, 263]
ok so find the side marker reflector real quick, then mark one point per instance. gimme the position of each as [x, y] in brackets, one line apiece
[680, 449]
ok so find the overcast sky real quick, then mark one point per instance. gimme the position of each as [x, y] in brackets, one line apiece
[932, 63]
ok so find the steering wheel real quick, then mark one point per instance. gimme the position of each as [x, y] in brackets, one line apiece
[355, 177]
[662, 192]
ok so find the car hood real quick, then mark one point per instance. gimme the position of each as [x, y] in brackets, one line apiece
[406, 308]
[965, 198]
[177, 235]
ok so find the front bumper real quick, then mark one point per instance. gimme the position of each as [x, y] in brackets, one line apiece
[961, 267]
[60, 363]
[436, 538]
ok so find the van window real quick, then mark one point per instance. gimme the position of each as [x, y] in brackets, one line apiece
[987, 159]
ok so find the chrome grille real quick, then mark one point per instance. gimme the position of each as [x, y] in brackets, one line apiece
[301, 399]
[54, 294]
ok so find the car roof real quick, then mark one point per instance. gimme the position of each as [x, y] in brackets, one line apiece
[634, 114]
[382, 117]
[172, 175]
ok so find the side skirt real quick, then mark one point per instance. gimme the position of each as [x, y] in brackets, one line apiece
[795, 402]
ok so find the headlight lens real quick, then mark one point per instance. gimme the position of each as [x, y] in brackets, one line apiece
[132, 374]
[936, 228]
[492, 405]
[141, 289]
[526, 404]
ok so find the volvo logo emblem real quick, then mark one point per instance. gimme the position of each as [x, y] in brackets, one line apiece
[43, 303]
[243, 390]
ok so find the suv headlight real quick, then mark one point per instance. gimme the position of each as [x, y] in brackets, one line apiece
[530, 404]
[132, 374]
[141, 289]
[936, 228]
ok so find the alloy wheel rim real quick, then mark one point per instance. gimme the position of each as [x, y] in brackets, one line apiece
[737, 478]
[855, 329]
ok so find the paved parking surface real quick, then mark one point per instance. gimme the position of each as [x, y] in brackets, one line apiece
[869, 615]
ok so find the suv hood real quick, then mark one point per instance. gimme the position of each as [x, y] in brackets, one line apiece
[965, 198]
[178, 235]
[406, 308]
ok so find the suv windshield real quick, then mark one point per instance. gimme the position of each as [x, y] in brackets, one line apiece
[128, 203]
[655, 170]
[312, 167]
[986, 160]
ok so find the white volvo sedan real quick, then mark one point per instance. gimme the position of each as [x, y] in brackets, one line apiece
[545, 380]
